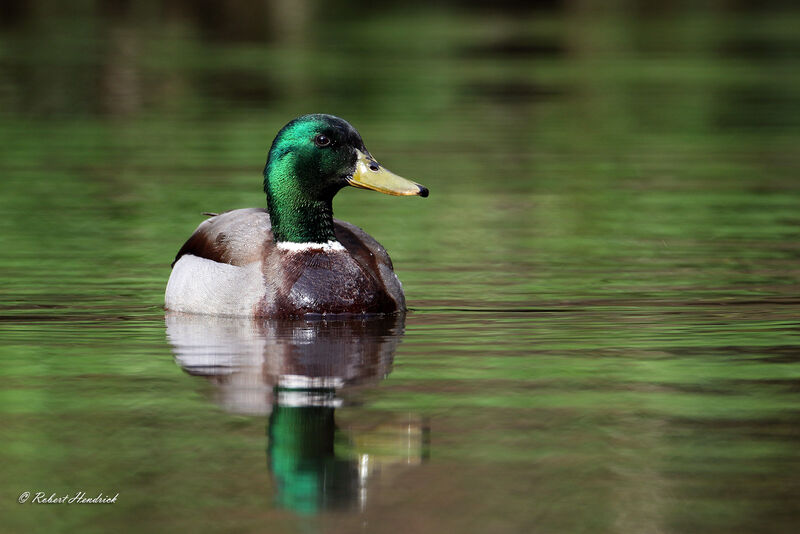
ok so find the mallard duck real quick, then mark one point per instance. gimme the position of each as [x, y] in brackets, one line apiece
[294, 258]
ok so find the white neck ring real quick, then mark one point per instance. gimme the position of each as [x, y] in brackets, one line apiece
[330, 246]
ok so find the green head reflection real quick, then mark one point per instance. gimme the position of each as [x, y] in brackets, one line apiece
[301, 452]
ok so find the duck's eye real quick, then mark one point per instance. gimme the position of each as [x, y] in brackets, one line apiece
[322, 140]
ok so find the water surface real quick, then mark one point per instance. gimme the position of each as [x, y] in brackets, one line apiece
[603, 282]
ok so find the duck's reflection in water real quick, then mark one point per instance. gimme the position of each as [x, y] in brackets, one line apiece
[295, 371]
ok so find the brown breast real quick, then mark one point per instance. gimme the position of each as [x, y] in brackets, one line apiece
[315, 281]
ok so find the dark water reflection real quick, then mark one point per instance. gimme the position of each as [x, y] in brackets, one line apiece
[294, 372]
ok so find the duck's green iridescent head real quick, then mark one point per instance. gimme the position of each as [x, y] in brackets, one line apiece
[311, 159]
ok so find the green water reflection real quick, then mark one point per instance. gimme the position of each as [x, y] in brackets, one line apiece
[604, 280]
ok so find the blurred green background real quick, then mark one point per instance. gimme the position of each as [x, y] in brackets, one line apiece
[604, 280]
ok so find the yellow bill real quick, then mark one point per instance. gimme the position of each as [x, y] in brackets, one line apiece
[370, 175]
